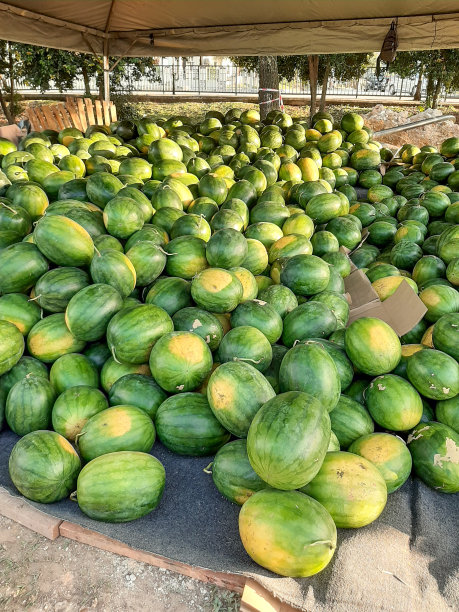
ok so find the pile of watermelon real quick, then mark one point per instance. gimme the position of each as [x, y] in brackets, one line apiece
[164, 279]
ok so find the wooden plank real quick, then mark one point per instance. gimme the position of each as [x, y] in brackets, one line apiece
[72, 111]
[98, 106]
[61, 111]
[54, 115]
[82, 113]
[17, 509]
[255, 598]
[90, 110]
[34, 121]
[51, 121]
[233, 582]
[41, 117]
[113, 112]
[105, 107]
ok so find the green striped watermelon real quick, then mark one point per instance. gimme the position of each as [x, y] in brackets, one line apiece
[74, 407]
[44, 466]
[29, 404]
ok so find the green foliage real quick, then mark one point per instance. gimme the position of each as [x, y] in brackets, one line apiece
[342, 66]
[439, 66]
[40, 66]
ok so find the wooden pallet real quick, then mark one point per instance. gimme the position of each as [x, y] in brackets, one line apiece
[255, 598]
[76, 112]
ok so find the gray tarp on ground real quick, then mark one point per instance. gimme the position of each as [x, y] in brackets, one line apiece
[229, 27]
[407, 560]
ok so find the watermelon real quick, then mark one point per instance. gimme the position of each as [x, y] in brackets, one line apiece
[233, 475]
[121, 486]
[452, 272]
[29, 404]
[236, 391]
[101, 187]
[111, 371]
[428, 267]
[448, 244]
[434, 374]
[21, 265]
[226, 248]
[216, 290]
[305, 274]
[349, 421]
[295, 421]
[98, 353]
[281, 298]
[122, 217]
[55, 288]
[372, 346]
[113, 268]
[137, 390]
[63, 241]
[267, 521]
[50, 338]
[248, 344]
[445, 334]
[74, 407]
[259, 314]
[11, 346]
[200, 322]
[133, 331]
[389, 454]
[350, 487]
[44, 466]
[170, 294]
[186, 257]
[439, 301]
[25, 365]
[434, 448]
[119, 428]
[447, 412]
[310, 320]
[393, 403]
[180, 361]
[90, 310]
[148, 259]
[248, 282]
[309, 368]
[337, 304]
[340, 359]
[19, 310]
[73, 370]
[186, 425]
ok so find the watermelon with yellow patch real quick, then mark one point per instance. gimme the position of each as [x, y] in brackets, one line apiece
[120, 428]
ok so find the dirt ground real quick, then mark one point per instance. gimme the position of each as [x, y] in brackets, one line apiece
[40, 575]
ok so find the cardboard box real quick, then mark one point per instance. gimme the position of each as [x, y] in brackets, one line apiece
[12, 132]
[402, 310]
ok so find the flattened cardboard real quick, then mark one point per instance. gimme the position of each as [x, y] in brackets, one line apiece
[402, 310]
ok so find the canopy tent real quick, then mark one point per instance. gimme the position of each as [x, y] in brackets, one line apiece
[228, 27]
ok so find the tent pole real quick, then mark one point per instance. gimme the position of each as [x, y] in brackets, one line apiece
[106, 72]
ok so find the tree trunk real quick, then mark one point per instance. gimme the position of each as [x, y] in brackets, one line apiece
[313, 61]
[4, 107]
[12, 106]
[87, 86]
[323, 96]
[268, 79]
[436, 93]
[429, 92]
[417, 93]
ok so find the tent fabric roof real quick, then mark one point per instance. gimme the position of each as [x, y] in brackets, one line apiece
[228, 27]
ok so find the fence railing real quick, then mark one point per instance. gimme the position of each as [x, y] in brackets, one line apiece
[192, 79]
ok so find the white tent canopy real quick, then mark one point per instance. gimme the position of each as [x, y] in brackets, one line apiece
[228, 27]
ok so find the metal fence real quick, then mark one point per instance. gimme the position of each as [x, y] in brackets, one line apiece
[231, 80]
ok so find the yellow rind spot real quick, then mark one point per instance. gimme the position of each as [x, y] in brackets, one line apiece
[187, 347]
[65, 444]
[410, 349]
[117, 423]
[221, 394]
[225, 321]
[215, 280]
[430, 298]
[386, 286]
[43, 346]
[427, 339]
